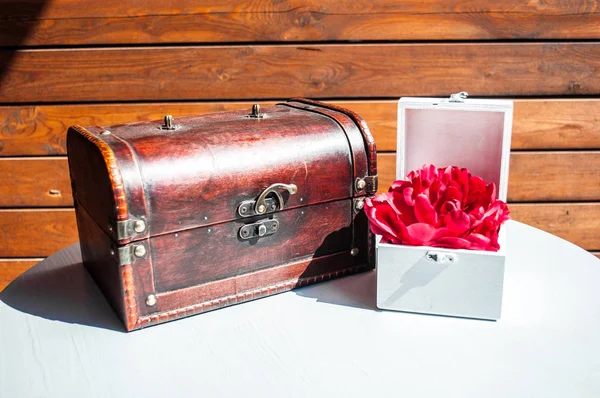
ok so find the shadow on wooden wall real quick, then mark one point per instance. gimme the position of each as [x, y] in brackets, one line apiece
[23, 15]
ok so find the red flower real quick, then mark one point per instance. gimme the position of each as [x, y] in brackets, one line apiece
[446, 207]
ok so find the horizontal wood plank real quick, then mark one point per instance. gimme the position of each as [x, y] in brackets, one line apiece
[67, 22]
[280, 71]
[41, 130]
[10, 269]
[597, 254]
[534, 176]
[35, 182]
[538, 124]
[64, 9]
[36, 233]
[558, 176]
[576, 222]
[42, 232]
[556, 124]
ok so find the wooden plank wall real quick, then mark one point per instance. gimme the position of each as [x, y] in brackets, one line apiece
[65, 62]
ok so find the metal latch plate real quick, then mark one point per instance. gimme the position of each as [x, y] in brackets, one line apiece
[259, 229]
[438, 257]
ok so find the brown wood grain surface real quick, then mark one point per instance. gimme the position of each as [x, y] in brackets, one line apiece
[183, 262]
[280, 71]
[535, 176]
[538, 124]
[64, 22]
[36, 233]
[10, 269]
[576, 222]
[55, 9]
[568, 175]
[556, 124]
[35, 182]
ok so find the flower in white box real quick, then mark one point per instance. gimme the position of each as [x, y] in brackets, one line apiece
[439, 251]
[439, 207]
[441, 247]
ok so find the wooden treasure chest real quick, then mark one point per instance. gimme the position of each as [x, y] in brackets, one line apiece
[196, 213]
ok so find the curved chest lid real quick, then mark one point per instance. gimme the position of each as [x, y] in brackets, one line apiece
[200, 172]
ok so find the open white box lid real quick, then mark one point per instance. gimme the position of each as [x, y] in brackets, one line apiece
[471, 133]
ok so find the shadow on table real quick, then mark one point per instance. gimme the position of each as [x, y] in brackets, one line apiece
[65, 294]
[358, 291]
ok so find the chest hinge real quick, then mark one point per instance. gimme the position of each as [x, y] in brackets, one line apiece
[128, 253]
[368, 184]
[372, 184]
[130, 228]
[125, 255]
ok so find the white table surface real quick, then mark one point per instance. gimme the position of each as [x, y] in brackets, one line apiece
[60, 338]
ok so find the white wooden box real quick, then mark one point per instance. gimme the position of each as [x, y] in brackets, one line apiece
[469, 133]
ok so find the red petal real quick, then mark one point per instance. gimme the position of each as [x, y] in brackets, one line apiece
[424, 211]
[428, 175]
[458, 222]
[384, 221]
[452, 205]
[491, 192]
[446, 175]
[436, 191]
[405, 210]
[480, 242]
[399, 185]
[420, 233]
[422, 178]
[382, 217]
[453, 193]
[408, 196]
[477, 186]
[452, 242]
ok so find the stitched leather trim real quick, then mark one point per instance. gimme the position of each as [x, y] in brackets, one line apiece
[244, 296]
[131, 311]
[114, 173]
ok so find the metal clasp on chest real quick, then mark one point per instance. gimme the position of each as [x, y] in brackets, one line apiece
[264, 203]
[269, 201]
